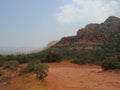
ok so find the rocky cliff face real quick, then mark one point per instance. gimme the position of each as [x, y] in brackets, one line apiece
[93, 35]
[100, 32]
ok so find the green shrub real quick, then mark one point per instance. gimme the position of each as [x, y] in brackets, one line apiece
[1, 72]
[22, 71]
[11, 64]
[110, 64]
[2, 60]
[81, 61]
[41, 71]
[29, 68]
[51, 56]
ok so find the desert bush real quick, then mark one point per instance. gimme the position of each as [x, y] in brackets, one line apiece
[41, 71]
[2, 60]
[110, 64]
[11, 64]
[81, 61]
[1, 73]
[51, 56]
[22, 71]
[29, 68]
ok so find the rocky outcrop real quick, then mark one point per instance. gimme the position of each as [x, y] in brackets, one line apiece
[100, 32]
[92, 35]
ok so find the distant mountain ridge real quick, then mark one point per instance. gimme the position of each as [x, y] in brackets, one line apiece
[93, 35]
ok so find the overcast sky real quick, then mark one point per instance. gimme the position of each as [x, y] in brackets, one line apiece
[34, 23]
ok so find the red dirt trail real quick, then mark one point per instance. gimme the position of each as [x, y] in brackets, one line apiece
[68, 76]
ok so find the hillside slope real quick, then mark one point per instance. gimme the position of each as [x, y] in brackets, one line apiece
[93, 36]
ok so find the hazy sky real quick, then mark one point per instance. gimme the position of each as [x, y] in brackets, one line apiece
[34, 23]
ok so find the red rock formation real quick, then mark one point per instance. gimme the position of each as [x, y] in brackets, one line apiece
[93, 34]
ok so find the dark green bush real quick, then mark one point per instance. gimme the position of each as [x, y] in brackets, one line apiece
[110, 64]
[2, 60]
[29, 68]
[81, 61]
[11, 64]
[51, 56]
[1, 72]
[41, 71]
[22, 71]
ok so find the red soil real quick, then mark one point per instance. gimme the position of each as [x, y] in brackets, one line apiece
[68, 76]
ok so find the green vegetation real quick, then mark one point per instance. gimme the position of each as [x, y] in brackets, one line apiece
[103, 42]
[2, 60]
[29, 68]
[51, 56]
[58, 54]
[11, 64]
[41, 71]
[1, 73]
[110, 64]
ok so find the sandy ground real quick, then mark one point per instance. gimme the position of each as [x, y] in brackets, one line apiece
[67, 76]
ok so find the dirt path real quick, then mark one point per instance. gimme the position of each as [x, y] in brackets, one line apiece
[73, 77]
[68, 76]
